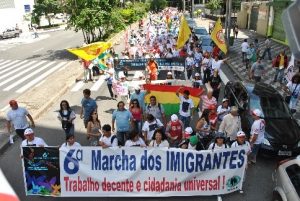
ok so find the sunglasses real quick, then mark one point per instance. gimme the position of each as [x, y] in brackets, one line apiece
[94, 113]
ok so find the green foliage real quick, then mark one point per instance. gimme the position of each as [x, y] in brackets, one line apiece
[157, 5]
[214, 4]
[47, 8]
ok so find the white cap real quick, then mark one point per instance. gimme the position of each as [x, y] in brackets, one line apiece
[257, 112]
[240, 134]
[174, 117]
[28, 131]
[121, 75]
[137, 87]
[224, 99]
[169, 73]
[197, 74]
[188, 130]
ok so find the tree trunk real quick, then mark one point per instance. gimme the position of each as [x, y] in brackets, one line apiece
[49, 20]
[84, 36]
[100, 34]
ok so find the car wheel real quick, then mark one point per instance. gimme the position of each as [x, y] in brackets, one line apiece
[276, 197]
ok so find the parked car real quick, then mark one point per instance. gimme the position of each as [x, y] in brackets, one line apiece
[287, 180]
[206, 44]
[191, 22]
[10, 33]
[282, 136]
[200, 32]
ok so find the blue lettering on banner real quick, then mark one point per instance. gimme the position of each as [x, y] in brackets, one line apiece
[241, 156]
[70, 160]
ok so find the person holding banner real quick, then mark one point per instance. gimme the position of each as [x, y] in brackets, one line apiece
[219, 143]
[31, 140]
[70, 143]
[124, 121]
[159, 139]
[152, 68]
[108, 139]
[149, 127]
[186, 108]
[175, 131]
[135, 140]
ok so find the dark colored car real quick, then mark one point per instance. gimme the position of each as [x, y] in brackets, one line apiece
[282, 136]
[206, 44]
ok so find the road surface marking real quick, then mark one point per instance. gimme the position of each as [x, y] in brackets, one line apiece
[13, 66]
[17, 70]
[98, 84]
[77, 86]
[38, 50]
[41, 77]
[8, 64]
[4, 62]
[5, 108]
[28, 76]
[21, 73]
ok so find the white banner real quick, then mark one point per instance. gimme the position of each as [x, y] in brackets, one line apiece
[140, 172]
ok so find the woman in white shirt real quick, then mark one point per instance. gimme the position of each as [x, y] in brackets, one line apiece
[159, 139]
[66, 116]
[70, 142]
[135, 140]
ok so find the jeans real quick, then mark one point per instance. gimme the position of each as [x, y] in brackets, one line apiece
[254, 152]
[279, 75]
[243, 56]
[138, 127]
[185, 120]
[293, 103]
[122, 137]
[206, 75]
[20, 133]
[189, 73]
[267, 50]
[109, 86]
[257, 78]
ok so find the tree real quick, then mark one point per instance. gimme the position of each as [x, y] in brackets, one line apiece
[47, 8]
[214, 4]
[158, 5]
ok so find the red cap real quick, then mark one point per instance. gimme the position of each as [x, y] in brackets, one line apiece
[212, 107]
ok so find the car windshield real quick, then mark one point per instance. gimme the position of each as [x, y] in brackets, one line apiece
[272, 107]
[294, 174]
[201, 31]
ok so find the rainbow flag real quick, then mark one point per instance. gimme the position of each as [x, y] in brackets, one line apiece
[91, 51]
[166, 95]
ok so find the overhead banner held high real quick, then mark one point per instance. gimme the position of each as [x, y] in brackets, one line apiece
[166, 95]
[159, 172]
[91, 51]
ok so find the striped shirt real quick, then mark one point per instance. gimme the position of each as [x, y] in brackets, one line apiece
[207, 102]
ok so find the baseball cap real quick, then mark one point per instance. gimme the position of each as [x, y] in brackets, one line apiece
[187, 132]
[220, 135]
[240, 134]
[13, 102]
[197, 74]
[137, 87]
[212, 107]
[257, 112]
[174, 117]
[234, 109]
[28, 131]
[169, 73]
[224, 100]
[194, 140]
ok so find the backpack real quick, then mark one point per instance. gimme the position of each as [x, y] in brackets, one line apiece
[159, 107]
[65, 123]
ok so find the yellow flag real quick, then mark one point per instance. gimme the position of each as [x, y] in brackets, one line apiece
[218, 37]
[184, 33]
[91, 51]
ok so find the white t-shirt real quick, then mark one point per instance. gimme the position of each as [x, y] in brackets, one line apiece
[292, 88]
[258, 127]
[246, 146]
[18, 118]
[245, 46]
[107, 141]
[66, 145]
[211, 146]
[221, 110]
[130, 143]
[163, 143]
[36, 142]
[216, 64]
[151, 127]
[185, 106]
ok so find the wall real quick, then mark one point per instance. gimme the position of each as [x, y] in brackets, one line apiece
[263, 18]
[242, 18]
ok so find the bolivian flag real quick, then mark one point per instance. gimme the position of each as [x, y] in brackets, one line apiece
[166, 95]
[218, 37]
[91, 51]
[184, 33]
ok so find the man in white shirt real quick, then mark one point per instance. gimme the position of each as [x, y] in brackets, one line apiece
[107, 139]
[216, 64]
[17, 117]
[150, 126]
[245, 47]
[223, 109]
[231, 124]
[31, 140]
[257, 134]
[186, 107]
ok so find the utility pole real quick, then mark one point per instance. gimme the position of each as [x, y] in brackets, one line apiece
[229, 18]
[192, 9]
[183, 6]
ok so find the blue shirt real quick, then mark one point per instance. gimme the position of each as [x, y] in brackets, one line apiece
[89, 105]
[122, 119]
[140, 97]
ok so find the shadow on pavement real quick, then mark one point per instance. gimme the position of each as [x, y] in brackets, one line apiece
[55, 55]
